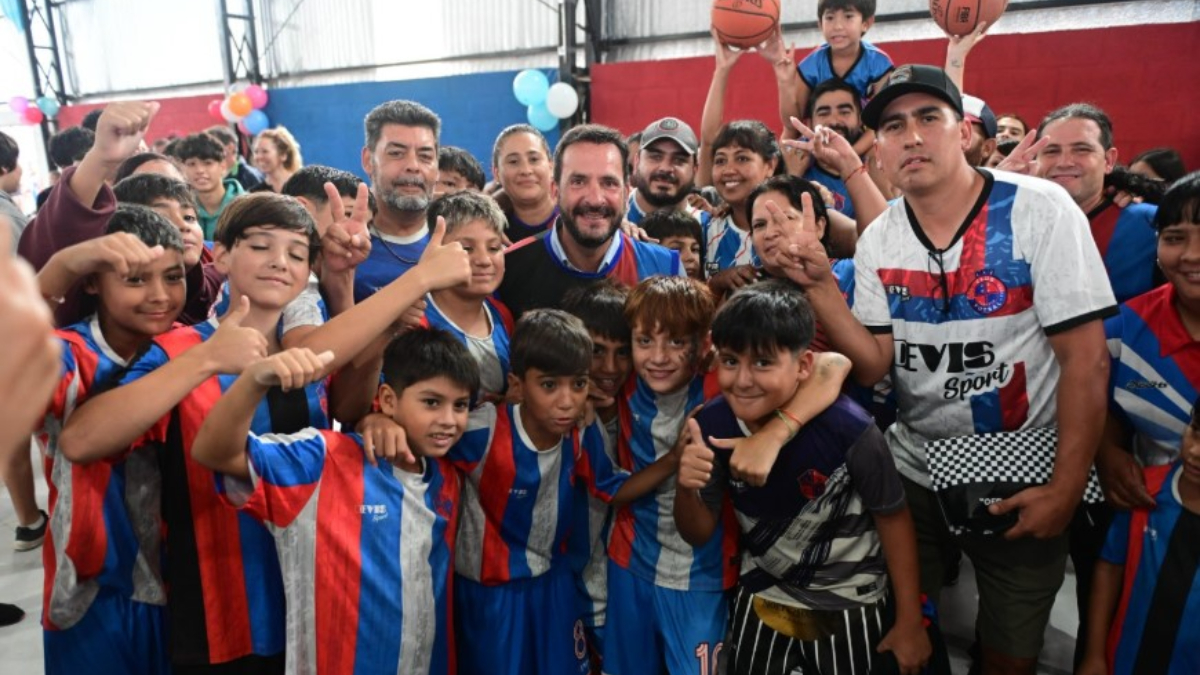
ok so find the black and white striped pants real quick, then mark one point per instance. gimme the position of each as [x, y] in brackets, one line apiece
[754, 648]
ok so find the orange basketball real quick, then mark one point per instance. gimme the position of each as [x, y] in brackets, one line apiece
[744, 23]
[960, 17]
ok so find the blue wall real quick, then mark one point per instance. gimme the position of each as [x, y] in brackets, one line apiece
[328, 120]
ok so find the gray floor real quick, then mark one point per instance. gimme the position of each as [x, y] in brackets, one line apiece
[21, 584]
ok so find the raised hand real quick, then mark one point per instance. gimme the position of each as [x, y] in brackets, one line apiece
[804, 259]
[696, 459]
[726, 56]
[827, 146]
[1023, 158]
[121, 130]
[774, 51]
[234, 346]
[120, 252]
[291, 368]
[961, 45]
[443, 265]
[346, 242]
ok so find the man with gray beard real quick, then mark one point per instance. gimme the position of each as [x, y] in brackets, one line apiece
[401, 157]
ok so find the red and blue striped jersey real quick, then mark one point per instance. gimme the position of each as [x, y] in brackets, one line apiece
[491, 352]
[1128, 244]
[518, 506]
[644, 539]
[366, 553]
[226, 594]
[104, 524]
[1160, 551]
[1155, 374]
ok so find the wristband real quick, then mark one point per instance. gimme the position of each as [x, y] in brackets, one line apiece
[783, 417]
[790, 416]
[861, 169]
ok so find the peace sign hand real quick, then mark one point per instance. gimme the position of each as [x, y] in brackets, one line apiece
[827, 146]
[803, 259]
[1023, 158]
[346, 242]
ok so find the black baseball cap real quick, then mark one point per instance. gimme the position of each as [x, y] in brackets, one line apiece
[912, 79]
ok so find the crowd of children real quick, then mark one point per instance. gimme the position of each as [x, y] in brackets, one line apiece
[595, 417]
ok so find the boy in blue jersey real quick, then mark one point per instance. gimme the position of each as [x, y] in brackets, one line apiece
[845, 55]
[226, 603]
[667, 606]
[366, 549]
[814, 578]
[518, 612]
[681, 232]
[104, 596]
[1146, 593]
[469, 311]
[601, 308]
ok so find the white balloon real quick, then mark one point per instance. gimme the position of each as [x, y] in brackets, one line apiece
[562, 100]
[228, 114]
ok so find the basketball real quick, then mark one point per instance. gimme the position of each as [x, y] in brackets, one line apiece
[744, 23]
[960, 17]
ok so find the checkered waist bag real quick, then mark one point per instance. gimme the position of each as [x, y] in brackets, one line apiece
[970, 473]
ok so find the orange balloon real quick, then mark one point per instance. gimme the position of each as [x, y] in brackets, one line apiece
[240, 105]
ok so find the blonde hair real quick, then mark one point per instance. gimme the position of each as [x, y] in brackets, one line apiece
[285, 143]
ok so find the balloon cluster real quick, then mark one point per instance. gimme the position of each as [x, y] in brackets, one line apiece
[545, 103]
[34, 112]
[244, 108]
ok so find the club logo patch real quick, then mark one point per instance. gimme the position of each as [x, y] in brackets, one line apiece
[987, 293]
[812, 483]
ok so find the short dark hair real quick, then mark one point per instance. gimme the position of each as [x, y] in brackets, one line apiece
[517, 129]
[70, 145]
[1180, 204]
[635, 137]
[552, 341]
[266, 210]
[199, 146]
[864, 7]
[9, 152]
[792, 187]
[763, 318]
[832, 84]
[463, 163]
[601, 307]
[171, 149]
[1166, 162]
[1085, 111]
[752, 135]
[590, 133]
[146, 224]
[223, 134]
[126, 169]
[309, 182]
[146, 188]
[1015, 116]
[404, 113]
[91, 119]
[427, 353]
[464, 207]
[672, 223]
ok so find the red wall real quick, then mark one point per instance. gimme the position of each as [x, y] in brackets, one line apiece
[1140, 75]
[180, 116]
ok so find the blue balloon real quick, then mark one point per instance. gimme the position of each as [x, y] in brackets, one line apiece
[530, 86]
[541, 118]
[48, 106]
[256, 122]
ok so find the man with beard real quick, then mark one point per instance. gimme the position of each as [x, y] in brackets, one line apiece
[587, 242]
[401, 157]
[665, 172]
[835, 105]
